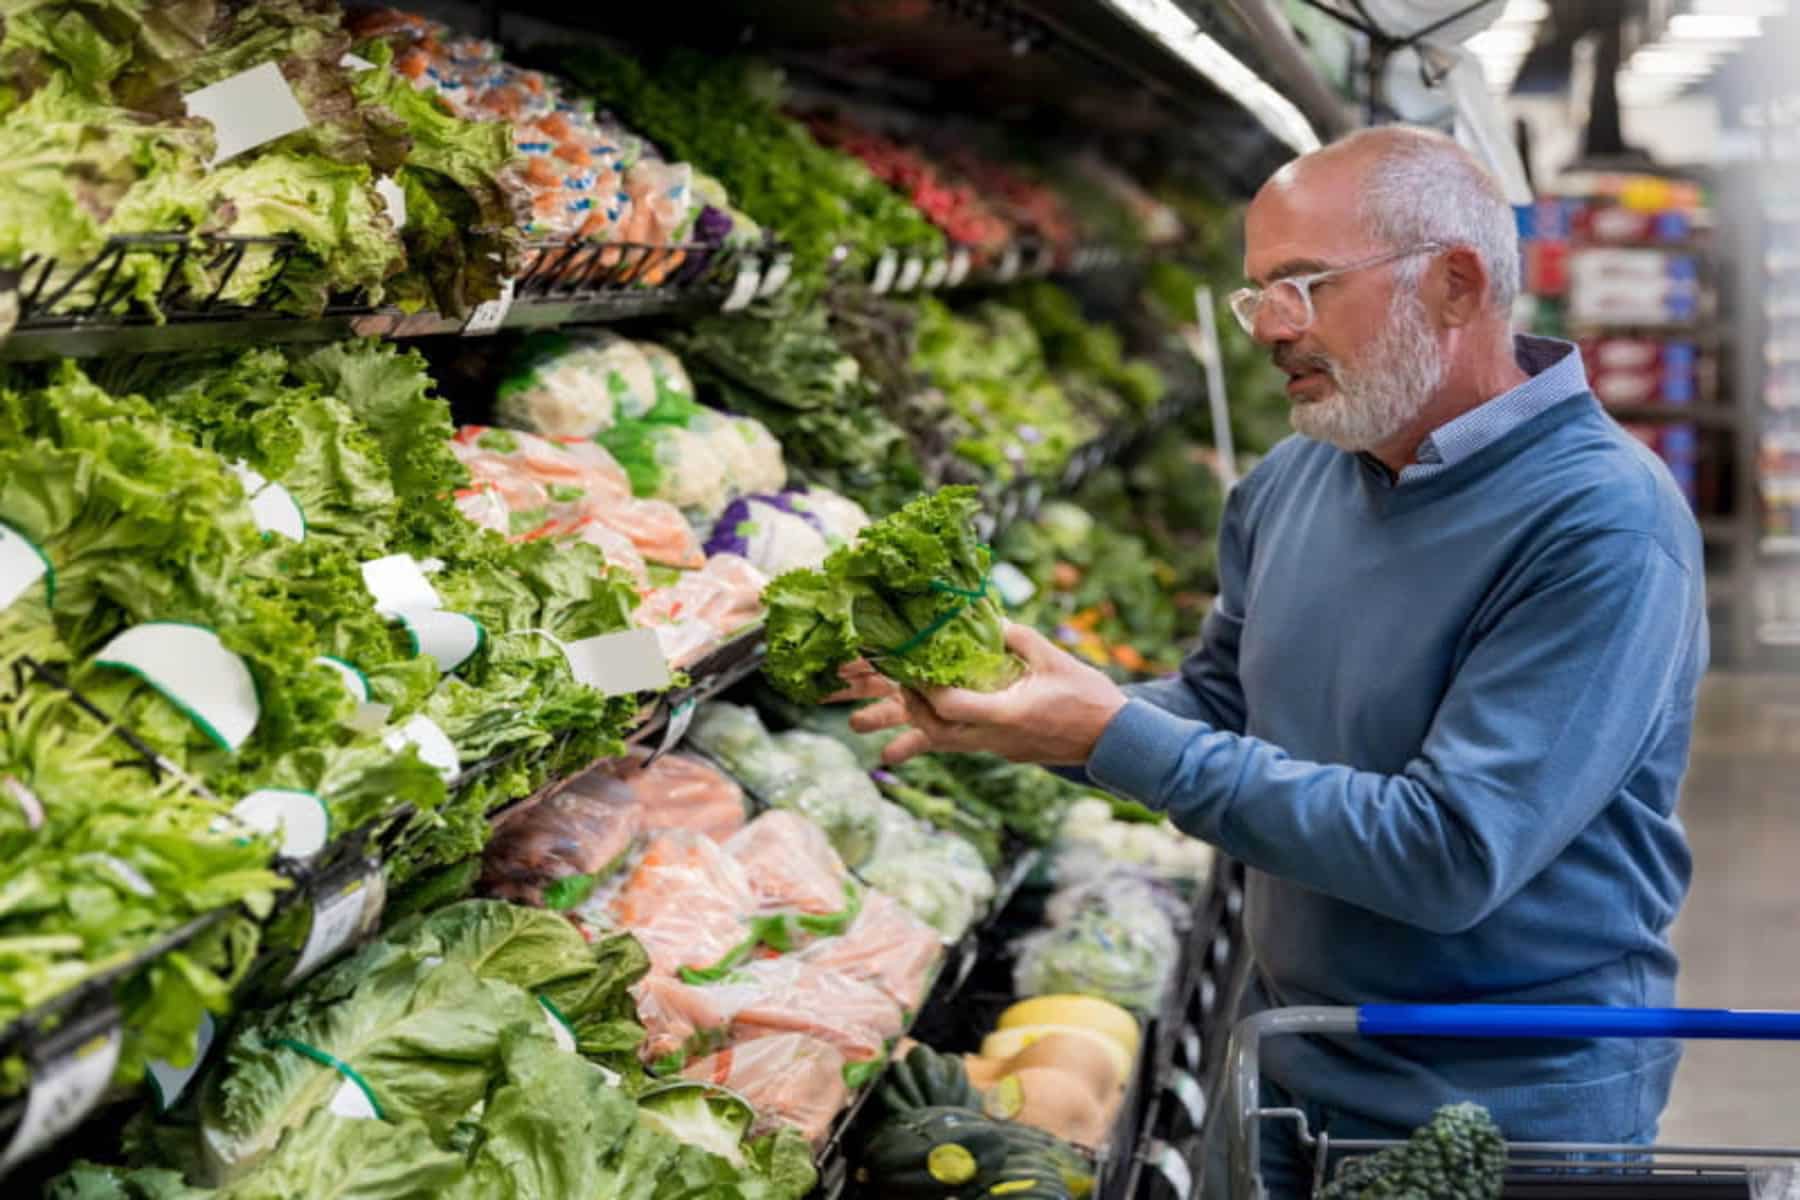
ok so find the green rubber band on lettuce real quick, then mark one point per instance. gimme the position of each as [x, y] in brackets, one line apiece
[336, 1064]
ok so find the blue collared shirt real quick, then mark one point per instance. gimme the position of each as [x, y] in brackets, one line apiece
[1556, 374]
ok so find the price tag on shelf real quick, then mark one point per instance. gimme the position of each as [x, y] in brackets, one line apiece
[1009, 265]
[936, 273]
[398, 583]
[350, 1100]
[776, 277]
[884, 272]
[1190, 1095]
[959, 268]
[676, 727]
[169, 1081]
[272, 507]
[21, 565]
[246, 110]
[299, 821]
[355, 62]
[1168, 1162]
[69, 1074]
[451, 638]
[192, 667]
[911, 271]
[619, 664]
[744, 289]
[490, 315]
[345, 906]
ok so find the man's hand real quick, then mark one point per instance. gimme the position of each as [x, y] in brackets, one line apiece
[1053, 716]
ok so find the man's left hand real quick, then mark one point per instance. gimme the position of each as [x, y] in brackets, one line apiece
[1053, 716]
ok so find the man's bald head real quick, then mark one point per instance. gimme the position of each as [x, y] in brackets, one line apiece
[1406, 187]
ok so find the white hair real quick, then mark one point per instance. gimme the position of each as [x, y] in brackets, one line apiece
[1423, 187]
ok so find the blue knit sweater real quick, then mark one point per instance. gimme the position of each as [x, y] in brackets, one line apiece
[1445, 724]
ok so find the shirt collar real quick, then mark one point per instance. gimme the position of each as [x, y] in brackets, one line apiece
[1555, 372]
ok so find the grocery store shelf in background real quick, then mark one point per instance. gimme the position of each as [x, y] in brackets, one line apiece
[1785, 545]
[563, 282]
[1779, 634]
[1711, 416]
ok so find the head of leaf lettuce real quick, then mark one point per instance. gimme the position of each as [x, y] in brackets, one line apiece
[910, 595]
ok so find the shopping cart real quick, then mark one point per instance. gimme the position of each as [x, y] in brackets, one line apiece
[1536, 1169]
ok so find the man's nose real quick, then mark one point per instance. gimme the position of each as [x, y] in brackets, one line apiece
[1271, 329]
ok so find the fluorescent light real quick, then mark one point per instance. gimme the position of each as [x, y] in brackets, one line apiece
[1670, 66]
[1169, 25]
[1714, 25]
[1518, 11]
[1752, 8]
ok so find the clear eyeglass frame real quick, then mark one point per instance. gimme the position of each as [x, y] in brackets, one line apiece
[1293, 295]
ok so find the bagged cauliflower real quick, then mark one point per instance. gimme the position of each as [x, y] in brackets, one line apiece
[839, 518]
[765, 530]
[575, 386]
[672, 382]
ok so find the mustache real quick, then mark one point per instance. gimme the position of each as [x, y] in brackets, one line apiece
[1288, 359]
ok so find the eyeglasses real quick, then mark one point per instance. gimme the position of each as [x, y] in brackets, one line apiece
[1290, 301]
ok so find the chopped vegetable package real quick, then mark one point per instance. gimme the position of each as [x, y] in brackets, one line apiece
[791, 1080]
[686, 901]
[887, 947]
[790, 865]
[582, 834]
[679, 791]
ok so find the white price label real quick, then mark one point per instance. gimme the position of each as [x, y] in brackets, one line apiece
[369, 718]
[342, 912]
[884, 272]
[299, 821]
[398, 583]
[959, 268]
[1014, 586]
[490, 315]
[169, 1081]
[355, 680]
[394, 196]
[744, 290]
[1190, 1095]
[619, 664]
[352, 1102]
[776, 277]
[680, 717]
[195, 671]
[451, 638]
[21, 565]
[434, 745]
[246, 110]
[1168, 1162]
[910, 273]
[1009, 265]
[355, 62]
[63, 1091]
[936, 272]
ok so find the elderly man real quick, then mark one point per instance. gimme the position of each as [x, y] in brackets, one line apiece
[1443, 706]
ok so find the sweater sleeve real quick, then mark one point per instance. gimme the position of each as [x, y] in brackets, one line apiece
[1207, 687]
[1549, 713]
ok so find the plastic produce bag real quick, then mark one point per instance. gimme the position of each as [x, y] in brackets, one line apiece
[791, 865]
[838, 517]
[671, 463]
[658, 530]
[704, 608]
[686, 901]
[831, 790]
[672, 382]
[768, 533]
[937, 876]
[1091, 840]
[586, 830]
[679, 791]
[748, 452]
[575, 385]
[886, 946]
[733, 736]
[799, 996]
[1097, 955]
[789, 1079]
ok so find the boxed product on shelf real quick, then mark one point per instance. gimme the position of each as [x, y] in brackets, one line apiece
[1632, 286]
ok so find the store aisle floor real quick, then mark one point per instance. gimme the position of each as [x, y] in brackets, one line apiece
[1739, 936]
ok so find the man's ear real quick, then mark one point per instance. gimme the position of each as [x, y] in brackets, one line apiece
[1462, 285]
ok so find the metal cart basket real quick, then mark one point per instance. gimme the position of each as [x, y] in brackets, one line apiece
[1538, 1169]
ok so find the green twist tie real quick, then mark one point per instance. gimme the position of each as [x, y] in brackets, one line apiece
[966, 595]
[337, 1064]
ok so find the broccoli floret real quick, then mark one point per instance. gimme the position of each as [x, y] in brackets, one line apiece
[1460, 1155]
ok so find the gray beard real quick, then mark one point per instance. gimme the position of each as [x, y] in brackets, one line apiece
[1373, 403]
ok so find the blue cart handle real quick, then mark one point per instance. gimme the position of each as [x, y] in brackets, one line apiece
[1574, 1021]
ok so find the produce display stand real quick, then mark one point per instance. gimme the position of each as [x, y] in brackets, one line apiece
[1540, 1170]
[1093, 63]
